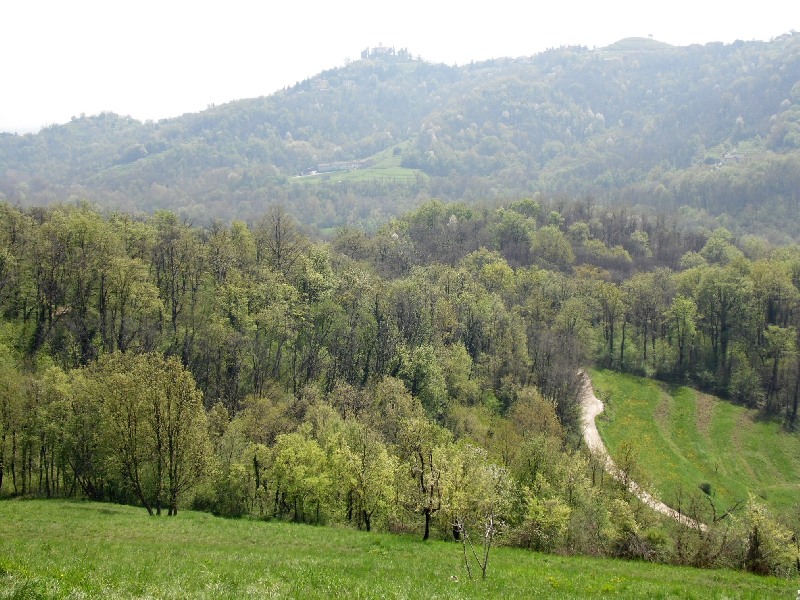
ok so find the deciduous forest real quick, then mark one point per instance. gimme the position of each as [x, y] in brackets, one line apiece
[423, 378]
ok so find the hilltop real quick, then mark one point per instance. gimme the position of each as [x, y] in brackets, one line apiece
[713, 127]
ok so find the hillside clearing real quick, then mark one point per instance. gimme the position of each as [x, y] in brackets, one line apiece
[682, 439]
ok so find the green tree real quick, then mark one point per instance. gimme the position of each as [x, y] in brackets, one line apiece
[301, 476]
[10, 406]
[723, 297]
[682, 321]
[765, 546]
[612, 308]
[278, 241]
[83, 440]
[423, 447]
[178, 262]
[391, 408]
[421, 371]
[551, 249]
[154, 426]
[133, 306]
[373, 469]
[477, 497]
[779, 345]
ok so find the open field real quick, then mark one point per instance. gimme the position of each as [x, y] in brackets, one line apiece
[681, 439]
[386, 166]
[61, 549]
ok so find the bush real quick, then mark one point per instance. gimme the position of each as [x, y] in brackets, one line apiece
[766, 546]
[545, 524]
[225, 495]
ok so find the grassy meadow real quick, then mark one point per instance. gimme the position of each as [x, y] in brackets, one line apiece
[62, 549]
[682, 439]
[386, 165]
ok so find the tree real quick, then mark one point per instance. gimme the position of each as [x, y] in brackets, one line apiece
[546, 522]
[277, 240]
[154, 426]
[767, 546]
[533, 415]
[185, 430]
[477, 498]
[423, 446]
[132, 305]
[682, 321]
[551, 249]
[302, 478]
[392, 407]
[779, 344]
[178, 261]
[612, 308]
[647, 296]
[372, 468]
[10, 394]
[83, 440]
[422, 374]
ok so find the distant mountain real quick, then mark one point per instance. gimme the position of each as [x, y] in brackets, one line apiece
[713, 127]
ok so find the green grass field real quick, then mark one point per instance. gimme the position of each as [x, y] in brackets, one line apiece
[61, 549]
[386, 165]
[682, 438]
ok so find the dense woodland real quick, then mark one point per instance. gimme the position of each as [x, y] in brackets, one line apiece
[714, 127]
[424, 378]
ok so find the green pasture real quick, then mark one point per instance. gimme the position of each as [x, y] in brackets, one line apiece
[61, 549]
[681, 439]
[386, 166]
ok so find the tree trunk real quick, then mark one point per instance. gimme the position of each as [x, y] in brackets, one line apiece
[644, 343]
[173, 505]
[14, 460]
[427, 513]
[611, 344]
[2, 458]
[256, 471]
[133, 476]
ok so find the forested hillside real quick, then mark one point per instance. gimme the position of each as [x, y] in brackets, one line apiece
[423, 378]
[715, 128]
[368, 299]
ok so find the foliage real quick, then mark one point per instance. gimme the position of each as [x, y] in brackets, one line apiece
[423, 378]
[768, 546]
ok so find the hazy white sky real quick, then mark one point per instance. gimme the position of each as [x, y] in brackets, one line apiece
[155, 59]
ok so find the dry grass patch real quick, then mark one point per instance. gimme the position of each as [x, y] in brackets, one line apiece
[705, 413]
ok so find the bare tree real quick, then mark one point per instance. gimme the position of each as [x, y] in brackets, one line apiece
[278, 240]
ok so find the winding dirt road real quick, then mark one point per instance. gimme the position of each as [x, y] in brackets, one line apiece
[593, 407]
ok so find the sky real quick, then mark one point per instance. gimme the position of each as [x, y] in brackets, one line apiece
[159, 59]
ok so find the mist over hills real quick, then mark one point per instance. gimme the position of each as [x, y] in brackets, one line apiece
[715, 128]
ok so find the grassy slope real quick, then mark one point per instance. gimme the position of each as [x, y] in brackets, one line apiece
[385, 166]
[58, 549]
[682, 438]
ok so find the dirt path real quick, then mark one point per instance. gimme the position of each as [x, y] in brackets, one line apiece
[593, 407]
